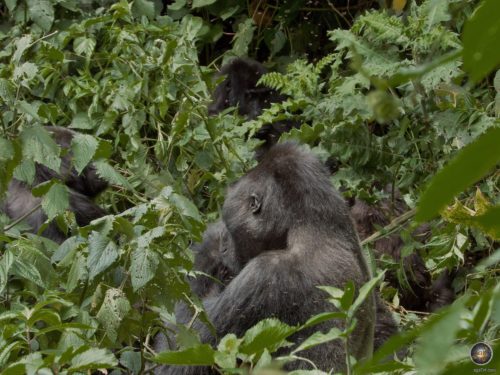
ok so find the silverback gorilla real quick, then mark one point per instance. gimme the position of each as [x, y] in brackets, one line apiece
[82, 188]
[291, 231]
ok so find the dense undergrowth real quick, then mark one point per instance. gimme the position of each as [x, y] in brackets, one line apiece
[391, 98]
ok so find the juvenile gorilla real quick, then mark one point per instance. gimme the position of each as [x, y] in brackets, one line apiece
[82, 187]
[239, 89]
[291, 232]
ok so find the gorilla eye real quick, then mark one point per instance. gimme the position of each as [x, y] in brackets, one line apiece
[255, 203]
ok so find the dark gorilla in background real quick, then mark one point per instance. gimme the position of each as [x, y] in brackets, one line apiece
[82, 188]
[291, 231]
[421, 293]
[239, 89]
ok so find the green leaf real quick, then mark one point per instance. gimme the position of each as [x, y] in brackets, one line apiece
[202, 3]
[480, 38]
[323, 317]
[364, 292]
[243, 37]
[144, 263]
[42, 13]
[39, 146]
[318, 338]
[268, 334]
[201, 355]
[132, 361]
[6, 262]
[143, 8]
[84, 147]
[6, 150]
[113, 310]
[56, 201]
[472, 162]
[84, 46]
[21, 45]
[102, 254]
[92, 359]
[81, 121]
[440, 334]
[496, 81]
[107, 172]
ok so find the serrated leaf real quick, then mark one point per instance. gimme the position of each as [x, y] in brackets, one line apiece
[144, 263]
[132, 361]
[6, 149]
[108, 173]
[471, 163]
[30, 263]
[21, 45]
[39, 146]
[84, 147]
[113, 309]
[81, 121]
[26, 72]
[243, 37]
[28, 109]
[84, 46]
[6, 262]
[268, 333]
[102, 254]
[56, 201]
[201, 355]
[144, 8]
[184, 206]
[92, 359]
[77, 273]
[7, 91]
[42, 13]
[480, 38]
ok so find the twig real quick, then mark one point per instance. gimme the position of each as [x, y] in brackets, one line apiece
[393, 224]
[21, 218]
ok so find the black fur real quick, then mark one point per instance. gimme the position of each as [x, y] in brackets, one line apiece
[291, 233]
[239, 89]
[420, 293]
[82, 187]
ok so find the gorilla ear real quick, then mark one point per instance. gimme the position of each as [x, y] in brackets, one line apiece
[255, 203]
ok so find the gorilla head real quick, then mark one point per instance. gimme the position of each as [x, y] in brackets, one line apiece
[239, 89]
[288, 191]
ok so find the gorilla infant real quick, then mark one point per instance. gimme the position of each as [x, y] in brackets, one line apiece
[239, 89]
[291, 231]
[82, 187]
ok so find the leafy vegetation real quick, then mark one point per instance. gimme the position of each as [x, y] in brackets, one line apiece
[406, 97]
